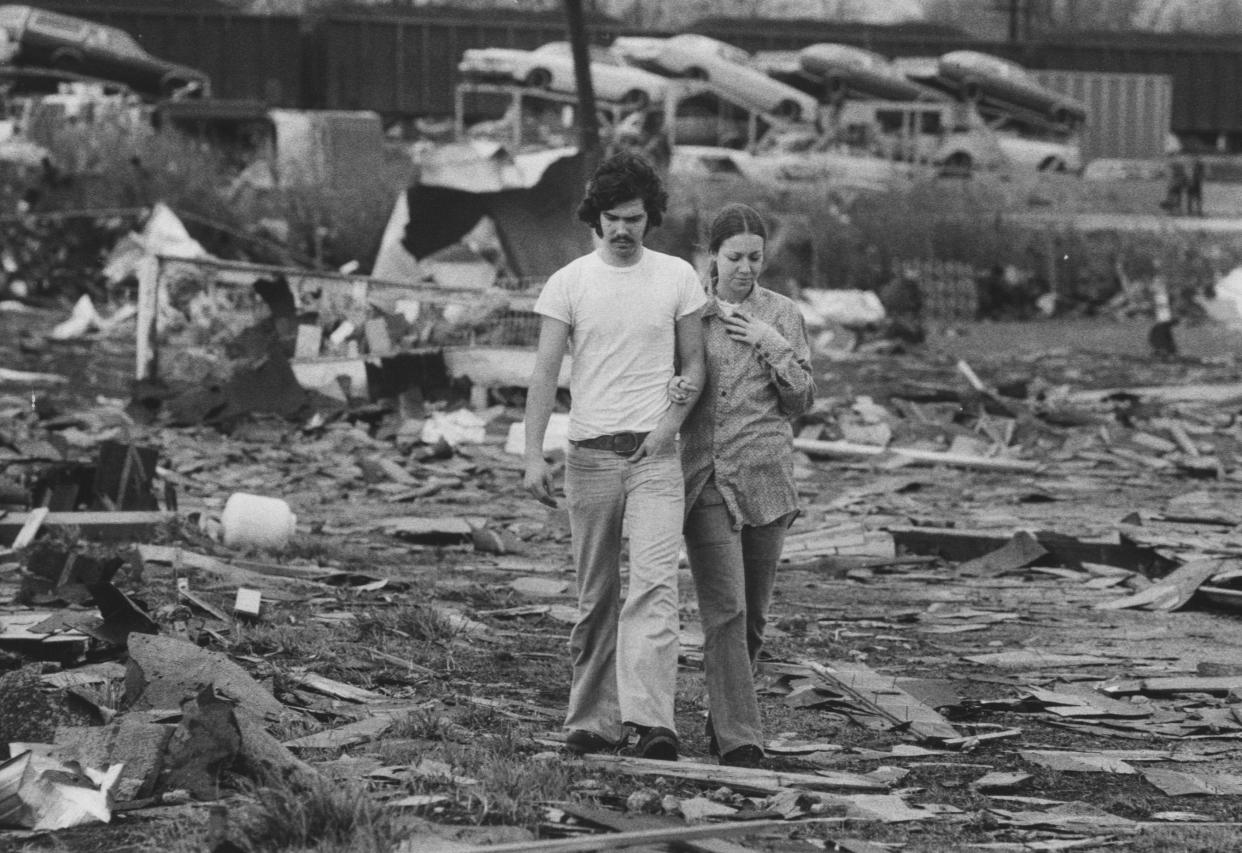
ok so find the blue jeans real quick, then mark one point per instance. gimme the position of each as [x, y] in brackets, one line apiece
[624, 655]
[734, 573]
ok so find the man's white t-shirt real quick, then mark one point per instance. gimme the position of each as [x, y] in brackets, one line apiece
[622, 337]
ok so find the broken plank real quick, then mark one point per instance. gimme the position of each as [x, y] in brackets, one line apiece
[880, 693]
[335, 689]
[814, 447]
[962, 544]
[352, 734]
[618, 822]
[1164, 393]
[34, 523]
[618, 840]
[1173, 591]
[95, 525]
[1189, 684]
[740, 778]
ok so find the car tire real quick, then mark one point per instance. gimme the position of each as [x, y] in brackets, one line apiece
[69, 62]
[696, 73]
[836, 89]
[1053, 163]
[539, 78]
[959, 164]
[170, 87]
[971, 90]
[790, 110]
[636, 99]
[1064, 117]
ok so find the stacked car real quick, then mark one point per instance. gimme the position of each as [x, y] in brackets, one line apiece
[39, 41]
[969, 94]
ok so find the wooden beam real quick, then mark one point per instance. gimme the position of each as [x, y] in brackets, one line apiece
[619, 840]
[761, 781]
[814, 447]
[93, 525]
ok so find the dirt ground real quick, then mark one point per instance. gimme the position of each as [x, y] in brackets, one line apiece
[466, 649]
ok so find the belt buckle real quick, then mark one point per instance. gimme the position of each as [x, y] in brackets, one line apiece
[625, 443]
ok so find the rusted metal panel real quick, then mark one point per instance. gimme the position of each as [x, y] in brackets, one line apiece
[246, 56]
[1128, 115]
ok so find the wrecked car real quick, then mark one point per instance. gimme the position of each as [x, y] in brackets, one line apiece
[728, 69]
[853, 70]
[552, 67]
[983, 77]
[77, 46]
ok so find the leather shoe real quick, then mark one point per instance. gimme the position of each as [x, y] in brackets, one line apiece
[747, 755]
[581, 742]
[658, 743]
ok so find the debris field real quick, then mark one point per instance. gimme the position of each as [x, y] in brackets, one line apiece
[1007, 619]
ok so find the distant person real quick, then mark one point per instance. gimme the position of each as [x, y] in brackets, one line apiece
[630, 314]
[1194, 188]
[1178, 181]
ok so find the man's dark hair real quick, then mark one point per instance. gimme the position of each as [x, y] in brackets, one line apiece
[623, 177]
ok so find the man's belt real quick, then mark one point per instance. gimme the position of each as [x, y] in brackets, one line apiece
[624, 443]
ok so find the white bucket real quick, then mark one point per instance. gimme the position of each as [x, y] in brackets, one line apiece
[253, 521]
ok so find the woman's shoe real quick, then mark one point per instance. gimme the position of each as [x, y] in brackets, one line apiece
[581, 742]
[747, 755]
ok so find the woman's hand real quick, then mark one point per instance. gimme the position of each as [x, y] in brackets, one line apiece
[680, 390]
[747, 330]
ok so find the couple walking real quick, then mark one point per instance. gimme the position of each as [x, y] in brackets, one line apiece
[655, 354]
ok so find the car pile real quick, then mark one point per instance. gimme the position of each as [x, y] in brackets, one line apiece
[945, 110]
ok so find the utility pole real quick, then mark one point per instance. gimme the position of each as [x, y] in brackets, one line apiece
[588, 121]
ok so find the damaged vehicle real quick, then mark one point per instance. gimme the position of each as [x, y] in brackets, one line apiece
[847, 70]
[64, 43]
[981, 77]
[552, 67]
[728, 69]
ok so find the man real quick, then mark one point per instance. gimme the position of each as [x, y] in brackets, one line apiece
[630, 314]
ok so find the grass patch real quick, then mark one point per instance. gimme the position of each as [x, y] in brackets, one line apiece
[328, 816]
[411, 621]
[509, 788]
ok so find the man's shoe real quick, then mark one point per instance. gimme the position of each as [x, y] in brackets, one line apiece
[581, 742]
[747, 755]
[658, 743]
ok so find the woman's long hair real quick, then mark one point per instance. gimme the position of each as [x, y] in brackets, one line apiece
[733, 219]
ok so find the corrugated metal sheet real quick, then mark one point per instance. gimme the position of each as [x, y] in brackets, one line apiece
[1128, 115]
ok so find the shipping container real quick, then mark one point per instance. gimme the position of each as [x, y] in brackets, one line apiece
[1128, 115]
[246, 56]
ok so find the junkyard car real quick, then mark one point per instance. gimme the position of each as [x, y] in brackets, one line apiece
[990, 79]
[728, 69]
[552, 67]
[852, 70]
[51, 40]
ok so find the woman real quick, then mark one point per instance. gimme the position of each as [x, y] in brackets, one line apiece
[737, 457]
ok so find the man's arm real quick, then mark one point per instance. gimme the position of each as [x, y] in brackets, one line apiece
[691, 356]
[540, 400]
